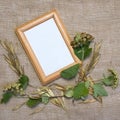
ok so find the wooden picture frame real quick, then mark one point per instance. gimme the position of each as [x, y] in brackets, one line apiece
[47, 44]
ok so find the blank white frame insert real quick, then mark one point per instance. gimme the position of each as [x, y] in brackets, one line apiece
[47, 44]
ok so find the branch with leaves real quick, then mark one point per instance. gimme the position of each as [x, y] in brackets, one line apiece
[83, 88]
[86, 86]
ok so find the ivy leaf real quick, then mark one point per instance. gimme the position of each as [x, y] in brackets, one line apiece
[71, 72]
[6, 97]
[83, 53]
[80, 91]
[33, 102]
[45, 99]
[99, 90]
[24, 80]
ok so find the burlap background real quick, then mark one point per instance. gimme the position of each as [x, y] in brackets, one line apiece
[101, 18]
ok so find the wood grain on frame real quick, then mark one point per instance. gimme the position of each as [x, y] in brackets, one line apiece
[20, 33]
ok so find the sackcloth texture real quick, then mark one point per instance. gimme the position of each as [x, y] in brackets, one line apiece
[101, 18]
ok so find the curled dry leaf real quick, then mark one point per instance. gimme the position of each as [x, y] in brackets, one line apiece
[37, 111]
[88, 101]
[18, 106]
[58, 87]
[56, 101]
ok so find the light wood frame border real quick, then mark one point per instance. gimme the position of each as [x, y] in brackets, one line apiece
[20, 33]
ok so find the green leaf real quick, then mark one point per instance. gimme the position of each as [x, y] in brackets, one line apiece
[71, 72]
[83, 53]
[24, 80]
[108, 81]
[6, 97]
[33, 102]
[87, 52]
[87, 84]
[45, 99]
[79, 53]
[69, 93]
[80, 91]
[99, 90]
[112, 79]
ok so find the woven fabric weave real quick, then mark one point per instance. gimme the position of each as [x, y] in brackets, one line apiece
[101, 18]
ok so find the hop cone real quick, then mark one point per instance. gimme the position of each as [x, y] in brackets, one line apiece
[81, 39]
